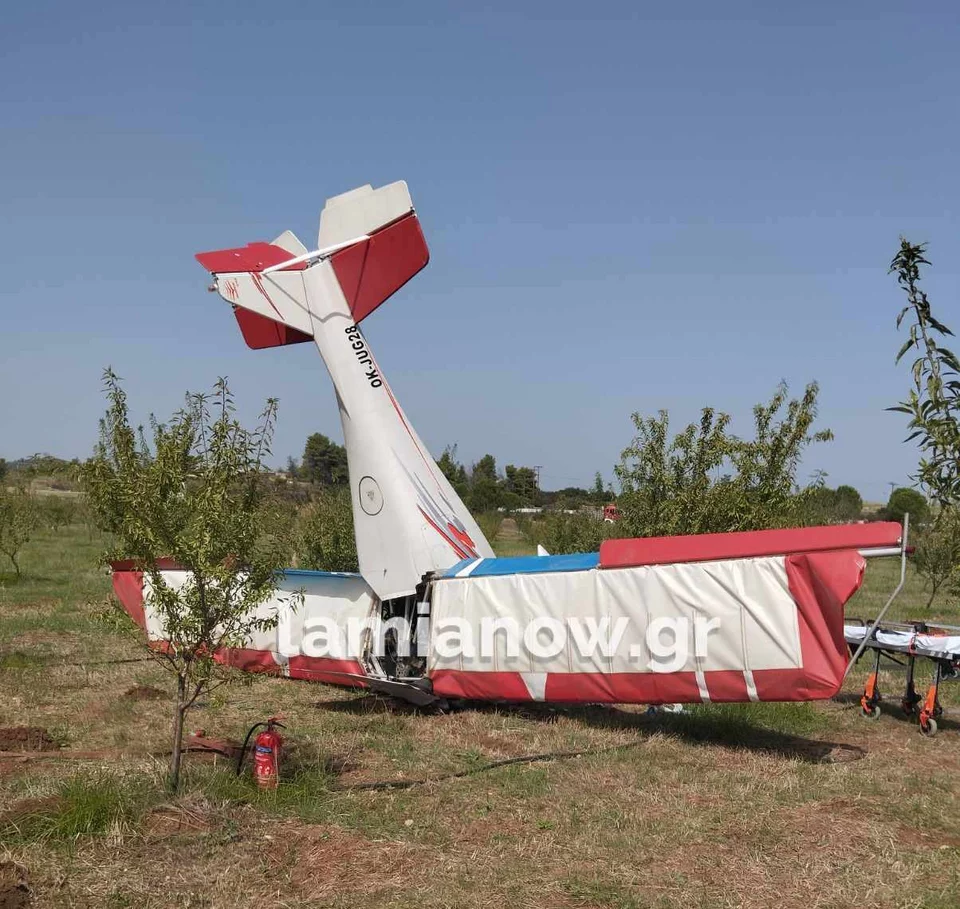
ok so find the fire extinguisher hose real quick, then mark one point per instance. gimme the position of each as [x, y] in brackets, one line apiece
[243, 751]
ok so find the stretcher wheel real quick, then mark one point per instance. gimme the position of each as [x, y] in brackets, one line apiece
[870, 711]
[928, 728]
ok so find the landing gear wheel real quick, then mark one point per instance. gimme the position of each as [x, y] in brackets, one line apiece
[870, 711]
[928, 727]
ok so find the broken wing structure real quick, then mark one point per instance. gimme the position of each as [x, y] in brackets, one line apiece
[432, 613]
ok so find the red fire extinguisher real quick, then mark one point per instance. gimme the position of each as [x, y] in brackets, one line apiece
[267, 748]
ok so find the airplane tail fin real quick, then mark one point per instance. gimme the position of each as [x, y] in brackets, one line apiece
[373, 242]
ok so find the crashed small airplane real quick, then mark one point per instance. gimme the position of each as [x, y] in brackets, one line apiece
[432, 613]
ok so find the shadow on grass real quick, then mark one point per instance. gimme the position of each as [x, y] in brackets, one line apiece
[373, 704]
[780, 729]
[890, 707]
[785, 730]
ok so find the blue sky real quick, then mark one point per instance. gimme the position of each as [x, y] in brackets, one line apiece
[630, 206]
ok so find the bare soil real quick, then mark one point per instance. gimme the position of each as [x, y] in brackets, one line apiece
[14, 890]
[144, 693]
[26, 738]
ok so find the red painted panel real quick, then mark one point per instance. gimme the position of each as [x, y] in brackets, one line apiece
[820, 584]
[622, 688]
[249, 660]
[726, 686]
[260, 332]
[348, 267]
[164, 564]
[252, 257]
[711, 547]
[480, 686]
[326, 669]
[371, 271]
[128, 586]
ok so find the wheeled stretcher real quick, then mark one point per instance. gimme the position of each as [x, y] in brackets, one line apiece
[904, 643]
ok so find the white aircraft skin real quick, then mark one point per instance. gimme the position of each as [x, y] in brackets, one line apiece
[407, 517]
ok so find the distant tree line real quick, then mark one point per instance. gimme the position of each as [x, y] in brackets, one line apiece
[24, 513]
[483, 489]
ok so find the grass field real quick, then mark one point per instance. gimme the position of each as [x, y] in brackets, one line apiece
[803, 805]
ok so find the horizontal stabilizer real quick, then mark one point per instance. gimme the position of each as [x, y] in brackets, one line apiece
[260, 332]
[254, 257]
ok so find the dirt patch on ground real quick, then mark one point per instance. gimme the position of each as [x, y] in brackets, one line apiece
[144, 693]
[509, 530]
[14, 891]
[26, 738]
[481, 831]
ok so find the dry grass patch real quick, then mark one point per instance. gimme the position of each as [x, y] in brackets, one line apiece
[187, 818]
[327, 861]
[722, 806]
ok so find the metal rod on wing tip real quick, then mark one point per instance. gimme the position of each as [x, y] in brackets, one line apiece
[903, 576]
[880, 551]
[316, 254]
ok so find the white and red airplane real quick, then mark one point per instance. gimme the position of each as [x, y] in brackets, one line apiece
[433, 613]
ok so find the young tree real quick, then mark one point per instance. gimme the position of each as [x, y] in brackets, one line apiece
[19, 519]
[766, 466]
[705, 480]
[196, 494]
[561, 533]
[933, 402]
[667, 483]
[56, 512]
[325, 537]
[937, 553]
[324, 462]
